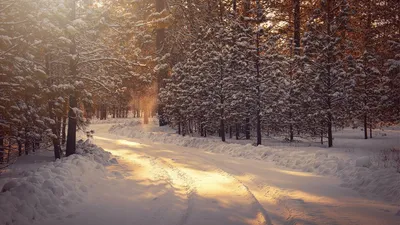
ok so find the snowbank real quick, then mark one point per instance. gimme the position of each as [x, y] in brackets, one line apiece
[360, 174]
[48, 190]
[364, 161]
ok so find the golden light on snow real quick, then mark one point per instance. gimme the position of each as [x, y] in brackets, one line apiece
[259, 219]
[307, 197]
[186, 178]
[131, 144]
[123, 142]
[218, 189]
[295, 173]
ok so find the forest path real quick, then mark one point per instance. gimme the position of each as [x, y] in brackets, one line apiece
[168, 184]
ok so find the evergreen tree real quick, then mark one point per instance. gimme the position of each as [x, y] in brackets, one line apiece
[326, 45]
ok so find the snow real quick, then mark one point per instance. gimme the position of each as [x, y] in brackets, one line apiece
[159, 177]
[48, 190]
[72, 30]
[65, 40]
[77, 111]
[364, 161]
[351, 163]
[221, 189]
[79, 23]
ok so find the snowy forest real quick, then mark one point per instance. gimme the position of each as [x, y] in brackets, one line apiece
[200, 112]
[241, 69]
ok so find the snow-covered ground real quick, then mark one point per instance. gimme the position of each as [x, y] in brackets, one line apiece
[36, 188]
[159, 177]
[272, 194]
[356, 161]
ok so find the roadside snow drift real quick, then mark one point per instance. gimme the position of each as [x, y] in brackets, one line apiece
[53, 187]
[364, 174]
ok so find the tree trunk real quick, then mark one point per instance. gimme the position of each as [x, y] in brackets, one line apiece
[330, 135]
[222, 126]
[64, 128]
[258, 127]
[296, 38]
[365, 126]
[72, 124]
[222, 101]
[328, 69]
[237, 127]
[26, 145]
[258, 75]
[190, 127]
[291, 133]
[72, 121]
[247, 128]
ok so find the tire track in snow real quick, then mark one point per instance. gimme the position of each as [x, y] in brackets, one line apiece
[188, 185]
[191, 187]
[294, 209]
[157, 174]
[161, 170]
[180, 180]
[255, 201]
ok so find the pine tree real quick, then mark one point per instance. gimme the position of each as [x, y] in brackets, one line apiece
[325, 47]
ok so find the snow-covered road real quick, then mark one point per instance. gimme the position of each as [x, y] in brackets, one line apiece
[168, 184]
